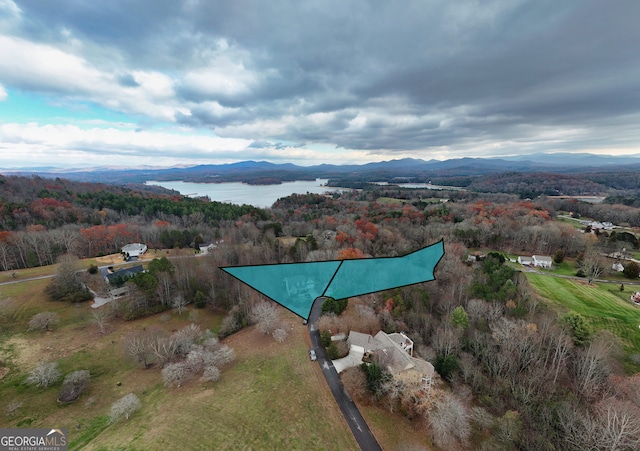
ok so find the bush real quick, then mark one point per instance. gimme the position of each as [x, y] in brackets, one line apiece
[74, 385]
[280, 335]
[332, 352]
[211, 374]
[631, 270]
[93, 269]
[124, 406]
[325, 338]
[43, 321]
[44, 374]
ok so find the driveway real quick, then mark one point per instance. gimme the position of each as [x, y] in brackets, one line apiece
[354, 358]
[354, 419]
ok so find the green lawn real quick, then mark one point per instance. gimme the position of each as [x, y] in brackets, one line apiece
[602, 304]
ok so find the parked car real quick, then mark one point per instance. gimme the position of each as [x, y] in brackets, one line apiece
[312, 355]
[304, 322]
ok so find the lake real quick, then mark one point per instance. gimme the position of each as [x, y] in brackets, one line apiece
[262, 196]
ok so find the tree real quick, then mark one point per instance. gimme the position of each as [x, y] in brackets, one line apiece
[450, 422]
[139, 349]
[591, 266]
[100, 317]
[67, 285]
[265, 315]
[631, 270]
[578, 327]
[44, 321]
[74, 385]
[44, 374]
[124, 406]
[280, 334]
[179, 303]
[459, 317]
[175, 374]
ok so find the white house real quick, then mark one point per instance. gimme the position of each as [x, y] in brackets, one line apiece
[205, 248]
[133, 250]
[617, 266]
[542, 261]
[526, 261]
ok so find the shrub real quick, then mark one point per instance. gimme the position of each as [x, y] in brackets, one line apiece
[211, 374]
[74, 385]
[124, 406]
[280, 335]
[44, 321]
[631, 270]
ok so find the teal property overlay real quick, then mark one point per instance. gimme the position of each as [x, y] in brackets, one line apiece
[297, 285]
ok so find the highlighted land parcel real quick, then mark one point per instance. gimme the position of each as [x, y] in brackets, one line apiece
[296, 286]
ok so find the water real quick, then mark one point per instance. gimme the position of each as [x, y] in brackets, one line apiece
[262, 196]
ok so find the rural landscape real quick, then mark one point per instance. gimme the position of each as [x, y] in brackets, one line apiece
[117, 324]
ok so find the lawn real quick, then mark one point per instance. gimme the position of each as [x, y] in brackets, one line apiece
[602, 304]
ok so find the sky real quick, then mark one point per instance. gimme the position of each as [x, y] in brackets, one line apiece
[85, 83]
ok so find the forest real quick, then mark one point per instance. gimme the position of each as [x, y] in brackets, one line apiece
[515, 373]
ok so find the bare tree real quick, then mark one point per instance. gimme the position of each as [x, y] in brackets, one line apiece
[138, 347]
[100, 317]
[280, 334]
[44, 374]
[265, 315]
[619, 425]
[592, 265]
[175, 374]
[179, 303]
[450, 422]
[124, 406]
[591, 367]
[44, 321]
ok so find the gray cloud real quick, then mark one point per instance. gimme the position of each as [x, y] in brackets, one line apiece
[375, 76]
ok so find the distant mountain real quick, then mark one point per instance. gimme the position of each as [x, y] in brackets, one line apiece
[261, 172]
[577, 159]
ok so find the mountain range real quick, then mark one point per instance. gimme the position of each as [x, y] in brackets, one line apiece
[262, 172]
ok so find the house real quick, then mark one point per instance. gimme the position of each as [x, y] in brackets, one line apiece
[617, 266]
[395, 351]
[205, 248]
[542, 261]
[526, 261]
[111, 276]
[133, 250]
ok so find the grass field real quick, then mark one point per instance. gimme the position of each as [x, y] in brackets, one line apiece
[271, 397]
[602, 304]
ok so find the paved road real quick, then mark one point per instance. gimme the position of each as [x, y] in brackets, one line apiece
[352, 415]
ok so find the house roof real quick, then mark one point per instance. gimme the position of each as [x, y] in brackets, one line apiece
[133, 247]
[365, 341]
[126, 272]
[542, 258]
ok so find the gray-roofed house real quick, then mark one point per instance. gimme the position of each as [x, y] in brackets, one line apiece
[395, 352]
[125, 273]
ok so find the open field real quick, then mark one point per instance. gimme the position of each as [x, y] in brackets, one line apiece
[271, 396]
[602, 304]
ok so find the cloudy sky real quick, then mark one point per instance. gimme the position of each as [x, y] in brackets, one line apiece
[88, 83]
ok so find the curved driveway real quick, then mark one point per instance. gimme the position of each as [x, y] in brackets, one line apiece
[352, 415]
